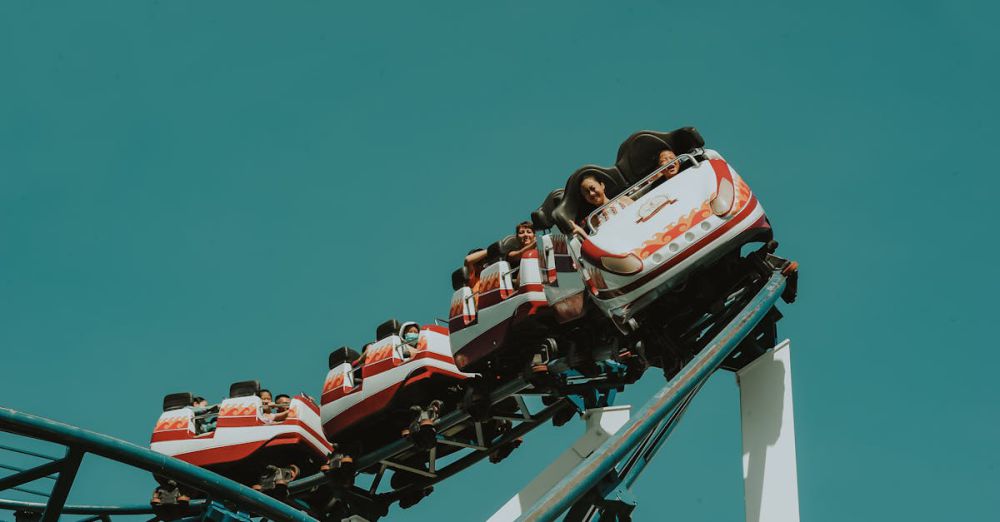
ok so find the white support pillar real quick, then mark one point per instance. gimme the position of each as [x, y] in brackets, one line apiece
[770, 477]
[601, 424]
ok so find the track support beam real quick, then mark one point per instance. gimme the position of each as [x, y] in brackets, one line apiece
[601, 424]
[67, 474]
[591, 471]
[770, 475]
[28, 475]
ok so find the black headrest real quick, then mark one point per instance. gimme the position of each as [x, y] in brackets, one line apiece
[493, 253]
[541, 219]
[509, 244]
[459, 278]
[386, 329]
[552, 200]
[176, 401]
[572, 206]
[342, 355]
[244, 389]
[639, 154]
[498, 251]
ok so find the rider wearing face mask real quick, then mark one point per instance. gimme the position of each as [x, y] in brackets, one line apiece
[411, 335]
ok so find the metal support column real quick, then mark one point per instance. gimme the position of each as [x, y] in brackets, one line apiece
[67, 474]
[595, 468]
[601, 424]
[770, 476]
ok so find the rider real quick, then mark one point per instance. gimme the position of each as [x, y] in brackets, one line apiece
[593, 192]
[266, 400]
[411, 335]
[665, 157]
[475, 263]
[204, 416]
[268, 407]
[526, 236]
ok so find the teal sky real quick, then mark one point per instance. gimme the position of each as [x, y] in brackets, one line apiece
[193, 194]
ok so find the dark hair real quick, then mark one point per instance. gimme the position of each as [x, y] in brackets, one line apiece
[263, 391]
[474, 250]
[276, 399]
[585, 207]
[590, 176]
[197, 399]
[517, 227]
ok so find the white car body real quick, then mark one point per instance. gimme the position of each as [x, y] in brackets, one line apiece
[385, 371]
[681, 224]
[242, 429]
[479, 323]
[671, 229]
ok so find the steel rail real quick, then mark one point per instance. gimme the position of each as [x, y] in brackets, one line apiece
[630, 473]
[15, 468]
[85, 441]
[83, 509]
[641, 456]
[468, 460]
[591, 471]
[391, 450]
[31, 492]
[26, 452]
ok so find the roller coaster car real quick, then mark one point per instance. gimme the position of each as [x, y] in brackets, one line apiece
[524, 320]
[635, 252]
[693, 223]
[482, 317]
[372, 399]
[247, 444]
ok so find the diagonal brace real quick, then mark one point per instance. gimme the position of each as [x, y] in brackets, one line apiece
[71, 463]
[31, 474]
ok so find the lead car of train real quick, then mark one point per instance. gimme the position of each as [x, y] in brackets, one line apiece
[633, 265]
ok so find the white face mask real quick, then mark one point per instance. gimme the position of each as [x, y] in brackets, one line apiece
[411, 337]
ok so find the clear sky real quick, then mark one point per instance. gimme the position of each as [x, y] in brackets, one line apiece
[193, 194]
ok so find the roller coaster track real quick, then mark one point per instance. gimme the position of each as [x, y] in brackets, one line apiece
[79, 442]
[598, 486]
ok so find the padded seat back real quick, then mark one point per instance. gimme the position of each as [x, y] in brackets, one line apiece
[572, 206]
[459, 278]
[239, 406]
[341, 372]
[463, 309]
[530, 269]
[498, 251]
[176, 401]
[175, 419]
[382, 349]
[495, 284]
[638, 155]
[548, 260]
[390, 327]
[244, 389]
[344, 354]
[541, 219]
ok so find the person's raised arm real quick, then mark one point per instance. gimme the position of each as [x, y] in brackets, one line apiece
[516, 255]
[474, 259]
